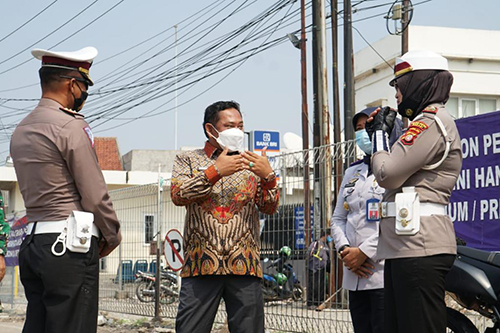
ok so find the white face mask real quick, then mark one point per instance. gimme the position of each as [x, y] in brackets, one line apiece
[231, 138]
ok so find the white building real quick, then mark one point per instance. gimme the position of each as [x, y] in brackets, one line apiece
[474, 61]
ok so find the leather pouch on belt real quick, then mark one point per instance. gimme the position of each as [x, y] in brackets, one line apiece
[407, 212]
[79, 231]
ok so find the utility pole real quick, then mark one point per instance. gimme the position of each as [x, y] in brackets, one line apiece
[404, 38]
[348, 73]
[336, 266]
[175, 111]
[322, 171]
[305, 122]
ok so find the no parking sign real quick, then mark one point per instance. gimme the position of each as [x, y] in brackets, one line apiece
[173, 249]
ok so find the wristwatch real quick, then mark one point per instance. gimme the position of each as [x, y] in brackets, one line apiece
[343, 248]
[270, 177]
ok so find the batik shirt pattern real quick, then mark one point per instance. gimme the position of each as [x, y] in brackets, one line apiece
[222, 231]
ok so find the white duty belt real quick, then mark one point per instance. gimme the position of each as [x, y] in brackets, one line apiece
[54, 227]
[388, 209]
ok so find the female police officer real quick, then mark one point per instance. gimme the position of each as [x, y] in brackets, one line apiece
[355, 224]
[416, 237]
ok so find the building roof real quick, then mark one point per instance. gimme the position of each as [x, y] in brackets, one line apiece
[108, 153]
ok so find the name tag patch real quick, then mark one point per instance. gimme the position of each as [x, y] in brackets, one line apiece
[372, 210]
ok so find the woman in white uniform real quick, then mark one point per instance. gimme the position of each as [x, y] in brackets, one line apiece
[355, 224]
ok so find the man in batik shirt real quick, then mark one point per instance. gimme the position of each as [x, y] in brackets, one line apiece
[223, 189]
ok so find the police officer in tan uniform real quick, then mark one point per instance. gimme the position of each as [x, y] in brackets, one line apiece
[58, 175]
[416, 237]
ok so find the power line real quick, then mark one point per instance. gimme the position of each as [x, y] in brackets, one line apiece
[25, 23]
[45, 37]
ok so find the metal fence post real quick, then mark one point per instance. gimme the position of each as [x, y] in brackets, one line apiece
[159, 248]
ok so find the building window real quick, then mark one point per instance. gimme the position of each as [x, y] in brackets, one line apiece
[149, 228]
[461, 107]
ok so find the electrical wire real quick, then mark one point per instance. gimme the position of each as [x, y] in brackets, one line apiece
[45, 37]
[25, 23]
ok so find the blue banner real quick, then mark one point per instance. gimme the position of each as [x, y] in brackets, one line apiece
[475, 202]
[16, 236]
[298, 219]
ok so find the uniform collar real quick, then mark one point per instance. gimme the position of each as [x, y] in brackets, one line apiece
[50, 103]
[209, 149]
[47, 102]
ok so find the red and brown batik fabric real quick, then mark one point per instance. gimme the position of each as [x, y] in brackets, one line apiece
[221, 232]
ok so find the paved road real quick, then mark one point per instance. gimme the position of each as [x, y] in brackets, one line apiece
[11, 327]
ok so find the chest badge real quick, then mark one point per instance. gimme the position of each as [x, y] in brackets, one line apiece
[346, 206]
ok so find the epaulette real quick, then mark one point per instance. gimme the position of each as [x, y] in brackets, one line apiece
[356, 163]
[72, 112]
[430, 109]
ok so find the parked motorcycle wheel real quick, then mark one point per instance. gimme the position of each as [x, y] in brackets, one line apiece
[456, 322]
[140, 291]
[169, 292]
[298, 292]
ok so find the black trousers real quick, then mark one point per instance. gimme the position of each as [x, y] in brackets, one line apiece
[62, 292]
[367, 310]
[414, 294]
[200, 297]
[316, 287]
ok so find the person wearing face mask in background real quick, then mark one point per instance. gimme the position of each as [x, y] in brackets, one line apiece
[223, 188]
[354, 224]
[58, 173]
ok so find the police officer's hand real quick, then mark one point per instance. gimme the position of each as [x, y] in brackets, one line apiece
[353, 257]
[2, 267]
[381, 119]
[259, 165]
[365, 270]
[227, 165]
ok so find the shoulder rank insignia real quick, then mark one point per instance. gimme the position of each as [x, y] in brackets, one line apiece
[413, 132]
[430, 109]
[71, 112]
[352, 182]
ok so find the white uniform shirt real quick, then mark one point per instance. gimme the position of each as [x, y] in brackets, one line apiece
[349, 225]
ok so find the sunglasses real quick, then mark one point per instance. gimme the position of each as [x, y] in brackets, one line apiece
[79, 79]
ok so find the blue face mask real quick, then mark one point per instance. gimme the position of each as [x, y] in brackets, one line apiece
[363, 141]
[329, 239]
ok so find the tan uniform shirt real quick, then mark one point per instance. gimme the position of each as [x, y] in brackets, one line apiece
[57, 169]
[421, 145]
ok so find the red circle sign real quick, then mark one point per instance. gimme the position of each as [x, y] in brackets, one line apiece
[173, 251]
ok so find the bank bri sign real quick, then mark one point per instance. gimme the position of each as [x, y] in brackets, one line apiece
[261, 139]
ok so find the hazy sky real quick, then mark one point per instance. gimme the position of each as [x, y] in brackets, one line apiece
[267, 85]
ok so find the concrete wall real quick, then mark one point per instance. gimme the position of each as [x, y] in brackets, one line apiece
[148, 160]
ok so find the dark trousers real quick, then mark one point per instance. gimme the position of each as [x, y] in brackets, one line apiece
[316, 287]
[367, 310]
[200, 297]
[62, 292]
[414, 294]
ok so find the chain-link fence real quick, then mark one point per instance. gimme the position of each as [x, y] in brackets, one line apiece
[298, 300]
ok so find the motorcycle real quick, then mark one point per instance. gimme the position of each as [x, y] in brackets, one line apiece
[146, 287]
[283, 285]
[474, 282]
